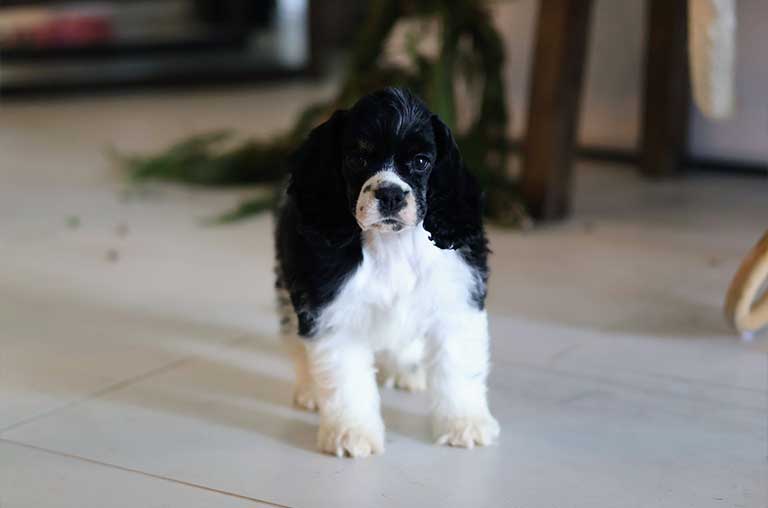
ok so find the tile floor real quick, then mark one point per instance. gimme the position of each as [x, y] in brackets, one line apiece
[139, 364]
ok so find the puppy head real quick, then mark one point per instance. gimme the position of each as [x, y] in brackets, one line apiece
[389, 151]
[385, 165]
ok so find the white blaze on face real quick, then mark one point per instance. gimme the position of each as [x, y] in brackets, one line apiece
[367, 210]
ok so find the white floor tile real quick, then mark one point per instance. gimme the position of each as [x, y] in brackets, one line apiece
[41, 479]
[224, 421]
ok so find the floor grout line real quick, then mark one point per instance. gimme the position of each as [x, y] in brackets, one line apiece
[653, 391]
[702, 382]
[116, 386]
[670, 377]
[548, 365]
[98, 393]
[142, 473]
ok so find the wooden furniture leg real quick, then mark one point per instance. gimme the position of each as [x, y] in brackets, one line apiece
[666, 100]
[555, 97]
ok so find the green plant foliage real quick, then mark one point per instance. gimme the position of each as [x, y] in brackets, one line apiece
[470, 50]
[247, 208]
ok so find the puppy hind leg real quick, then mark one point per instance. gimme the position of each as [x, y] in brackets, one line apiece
[304, 395]
[403, 368]
[304, 391]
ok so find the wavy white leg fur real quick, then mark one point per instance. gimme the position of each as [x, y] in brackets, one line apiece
[459, 363]
[348, 398]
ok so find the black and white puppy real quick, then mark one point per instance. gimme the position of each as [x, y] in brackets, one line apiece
[382, 267]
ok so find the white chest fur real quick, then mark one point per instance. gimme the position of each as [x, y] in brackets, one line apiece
[403, 284]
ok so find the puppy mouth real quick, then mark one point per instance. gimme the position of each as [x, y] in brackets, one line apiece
[388, 224]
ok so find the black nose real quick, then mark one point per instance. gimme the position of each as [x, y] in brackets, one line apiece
[391, 199]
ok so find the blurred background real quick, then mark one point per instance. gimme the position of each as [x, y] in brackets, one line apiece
[59, 46]
[623, 148]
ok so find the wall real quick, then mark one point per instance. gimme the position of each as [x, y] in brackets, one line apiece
[611, 108]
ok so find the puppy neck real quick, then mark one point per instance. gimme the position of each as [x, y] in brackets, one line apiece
[408, 241]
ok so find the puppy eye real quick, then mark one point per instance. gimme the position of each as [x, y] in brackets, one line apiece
[357, 161]
[420, 162]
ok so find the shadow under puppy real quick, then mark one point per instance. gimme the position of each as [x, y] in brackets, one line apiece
[382, 266]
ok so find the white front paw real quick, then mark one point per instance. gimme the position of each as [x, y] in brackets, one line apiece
[353, 440]
[466, 431]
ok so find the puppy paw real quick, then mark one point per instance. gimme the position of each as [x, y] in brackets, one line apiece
[304, 397]
[410, 379]
[354, 441]
[466, 432]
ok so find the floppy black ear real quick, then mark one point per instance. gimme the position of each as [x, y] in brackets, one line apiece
[454, 202]
[317, 186]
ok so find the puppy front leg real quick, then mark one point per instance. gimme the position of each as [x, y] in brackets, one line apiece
[458, 371]
[345, 384]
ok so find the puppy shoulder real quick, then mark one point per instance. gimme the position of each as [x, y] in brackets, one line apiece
[310, 268]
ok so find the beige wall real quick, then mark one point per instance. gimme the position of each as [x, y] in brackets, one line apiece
[611, 108]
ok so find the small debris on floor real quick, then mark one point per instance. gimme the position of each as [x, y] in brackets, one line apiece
[589, 227]
[714, 261]
[112, 255]
[122, 230]
[73, 222]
